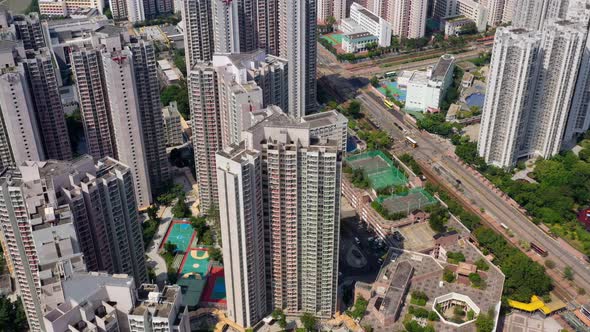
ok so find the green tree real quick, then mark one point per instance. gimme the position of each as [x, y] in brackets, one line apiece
[12, 316]
[359, 308]
[584, 154]
[482, 264]
[309, 321]
[280, 317]
[216, 254]
[375, 81]
[568, 273]
[172, 275]
[438, 218]
[484, 323]
[549, 264]
[170, 247]
[152, 212]
[181, 209]
[179, 94]
[330, 21]
[199, 224]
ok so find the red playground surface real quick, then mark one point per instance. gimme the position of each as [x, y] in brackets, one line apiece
[215, 289]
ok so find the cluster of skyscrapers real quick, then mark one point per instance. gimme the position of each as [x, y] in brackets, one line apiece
[264, 157]
[537, 99]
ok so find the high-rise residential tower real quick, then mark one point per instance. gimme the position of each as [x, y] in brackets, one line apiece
[533, 14]
[282, 183]
[268, 26]
[41, 76]
[206, 129]
[301, 47]
[531, 95]
[198, 34]
[145, 79]
[408, 18]
[40, 239]
[247, 82]
[20, 137]
[324, 10]
[234, 25]
[93, 100]
[110, 238]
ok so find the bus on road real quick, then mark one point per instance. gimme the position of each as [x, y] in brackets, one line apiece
[412, 142]
[538, 249]
[388, 103]
[390, 74]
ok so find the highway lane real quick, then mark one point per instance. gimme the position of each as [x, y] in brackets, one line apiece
[433, 150]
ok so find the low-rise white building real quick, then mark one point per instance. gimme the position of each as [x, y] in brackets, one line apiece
[361, 25]
[425, 89]
[67, 7]
[172, 126]
[454, 26]
[159, 311]
[358, 42]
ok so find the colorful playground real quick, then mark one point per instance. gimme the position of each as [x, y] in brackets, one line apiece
[194, 265]
[394, 90]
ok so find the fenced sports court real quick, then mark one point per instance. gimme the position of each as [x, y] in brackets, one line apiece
[196, 261]
[180, 233]
[380, 170]
[215, 289]
[415, 198]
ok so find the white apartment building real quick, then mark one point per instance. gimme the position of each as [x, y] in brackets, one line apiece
[358, 42]
[470, 9]
[109, 238]
[206, 129]
[234, 26]
[533, 14]
[427, 89]
[300, 34]
[362, 20]
[159, 311]
[407, 18]
[93, 301]
[530, 103]
[66, 7]
[126, 120]
[40, 241]
[20, 137]
[198, 32]
[172, 125]
[325, 9]
[238, 97]
[291, 168]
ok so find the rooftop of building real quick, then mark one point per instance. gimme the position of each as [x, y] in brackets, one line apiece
[359, 35]
[443, 67]
[370, 15]
[324, 119]
[160, 304]
[111, 30]
[81, 285]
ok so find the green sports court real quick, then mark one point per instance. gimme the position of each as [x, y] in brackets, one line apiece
[196, 261]
[180, 233]
[333, 38]
[380, 170]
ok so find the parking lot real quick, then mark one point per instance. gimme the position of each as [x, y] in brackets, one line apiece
[359, 260]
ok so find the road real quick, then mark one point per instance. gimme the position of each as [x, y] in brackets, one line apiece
[436, 151]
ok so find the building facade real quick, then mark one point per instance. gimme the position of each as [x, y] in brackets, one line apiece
[172, 125]
[470, 9]
[66, 7]
[362, 20]
[198, 33]
[234, 25]
[159, 310]
[279, 203]
[408, 18]
[301, 47]
[40, 239]
[206, 129]
[539, 105]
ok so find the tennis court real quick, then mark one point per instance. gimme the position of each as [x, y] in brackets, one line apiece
[196, 261]
[380, 170]
[416, 198]
[215, 288]
[180, 233]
